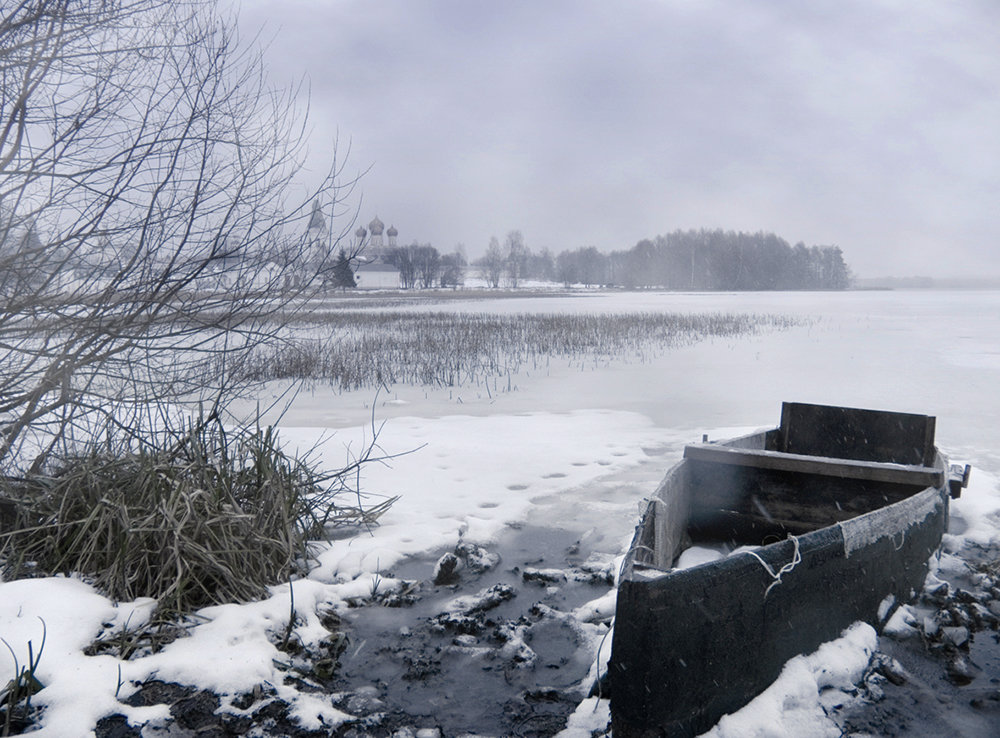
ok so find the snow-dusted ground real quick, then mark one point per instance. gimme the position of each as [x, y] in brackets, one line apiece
[572, 447]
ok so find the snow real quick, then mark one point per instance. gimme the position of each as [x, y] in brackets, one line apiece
[467, 477]
[67, 614]
[696, 556]
[792, 706]
[590, 717]
[572, 448]
[975, 518]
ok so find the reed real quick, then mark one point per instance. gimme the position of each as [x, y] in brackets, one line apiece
[369, 349]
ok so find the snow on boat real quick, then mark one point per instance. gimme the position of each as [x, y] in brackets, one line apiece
[829, 519]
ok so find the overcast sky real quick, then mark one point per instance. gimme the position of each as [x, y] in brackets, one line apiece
[873, 125]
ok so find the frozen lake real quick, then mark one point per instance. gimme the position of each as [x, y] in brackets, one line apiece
[928, 352]
[567, 454]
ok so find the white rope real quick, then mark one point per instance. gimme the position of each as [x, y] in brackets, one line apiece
[597, 662]
[776, 576]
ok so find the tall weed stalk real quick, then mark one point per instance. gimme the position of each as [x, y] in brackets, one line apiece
[15, 697]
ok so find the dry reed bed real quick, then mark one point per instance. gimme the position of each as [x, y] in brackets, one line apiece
[214, 517]
[355, 350]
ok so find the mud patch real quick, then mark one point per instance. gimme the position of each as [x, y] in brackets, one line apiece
[940, 675]
[495, 653]
[196, 713]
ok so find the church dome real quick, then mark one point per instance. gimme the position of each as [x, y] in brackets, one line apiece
[361, 232]
[376, 226]
[392, 232]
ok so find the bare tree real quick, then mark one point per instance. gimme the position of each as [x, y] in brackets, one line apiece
[453, 268]
[491, 266]
[403, 258]
[149, 237]
[517, 255]
[428, 263]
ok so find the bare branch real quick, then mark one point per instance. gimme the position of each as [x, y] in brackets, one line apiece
[148, 218]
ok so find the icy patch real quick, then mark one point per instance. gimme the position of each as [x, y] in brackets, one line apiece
[543, 576]
[515, 649]
[590, 718]
[602, 608]
[902, 624]
[484, 600]
[885, 606]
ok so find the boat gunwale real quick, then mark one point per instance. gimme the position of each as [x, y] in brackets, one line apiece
[774, 554]
[630, 563]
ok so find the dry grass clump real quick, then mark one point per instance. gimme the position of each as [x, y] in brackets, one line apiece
[379, 349]
[214, 518]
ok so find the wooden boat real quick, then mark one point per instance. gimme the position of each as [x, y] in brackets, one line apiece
[845, 508]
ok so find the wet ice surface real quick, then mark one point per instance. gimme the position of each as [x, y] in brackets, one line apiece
[521, 667]
[455, 660]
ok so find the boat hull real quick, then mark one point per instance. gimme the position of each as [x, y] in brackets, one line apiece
[692, 645]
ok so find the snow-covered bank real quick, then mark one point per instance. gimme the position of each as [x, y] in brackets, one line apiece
[463, 478]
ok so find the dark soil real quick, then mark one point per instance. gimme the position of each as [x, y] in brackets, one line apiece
[196, 714]
[943, 680]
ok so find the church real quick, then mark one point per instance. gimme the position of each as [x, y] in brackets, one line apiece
[369, 253]
[373, 247]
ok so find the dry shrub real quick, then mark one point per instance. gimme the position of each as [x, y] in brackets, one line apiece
[214, 518]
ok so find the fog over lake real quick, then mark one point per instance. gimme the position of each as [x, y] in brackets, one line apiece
[866, 125]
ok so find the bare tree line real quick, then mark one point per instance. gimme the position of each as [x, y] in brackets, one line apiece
[696, 259]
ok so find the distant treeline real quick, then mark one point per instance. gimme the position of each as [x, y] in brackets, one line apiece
[682, 260]
[709, 260]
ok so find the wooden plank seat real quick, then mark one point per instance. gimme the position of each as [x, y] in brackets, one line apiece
[872, 471]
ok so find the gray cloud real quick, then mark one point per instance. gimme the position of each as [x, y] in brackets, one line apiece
[870, 125]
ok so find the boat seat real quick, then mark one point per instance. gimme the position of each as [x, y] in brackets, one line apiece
[875, 471]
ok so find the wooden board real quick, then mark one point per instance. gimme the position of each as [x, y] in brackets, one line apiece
[854, 433]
